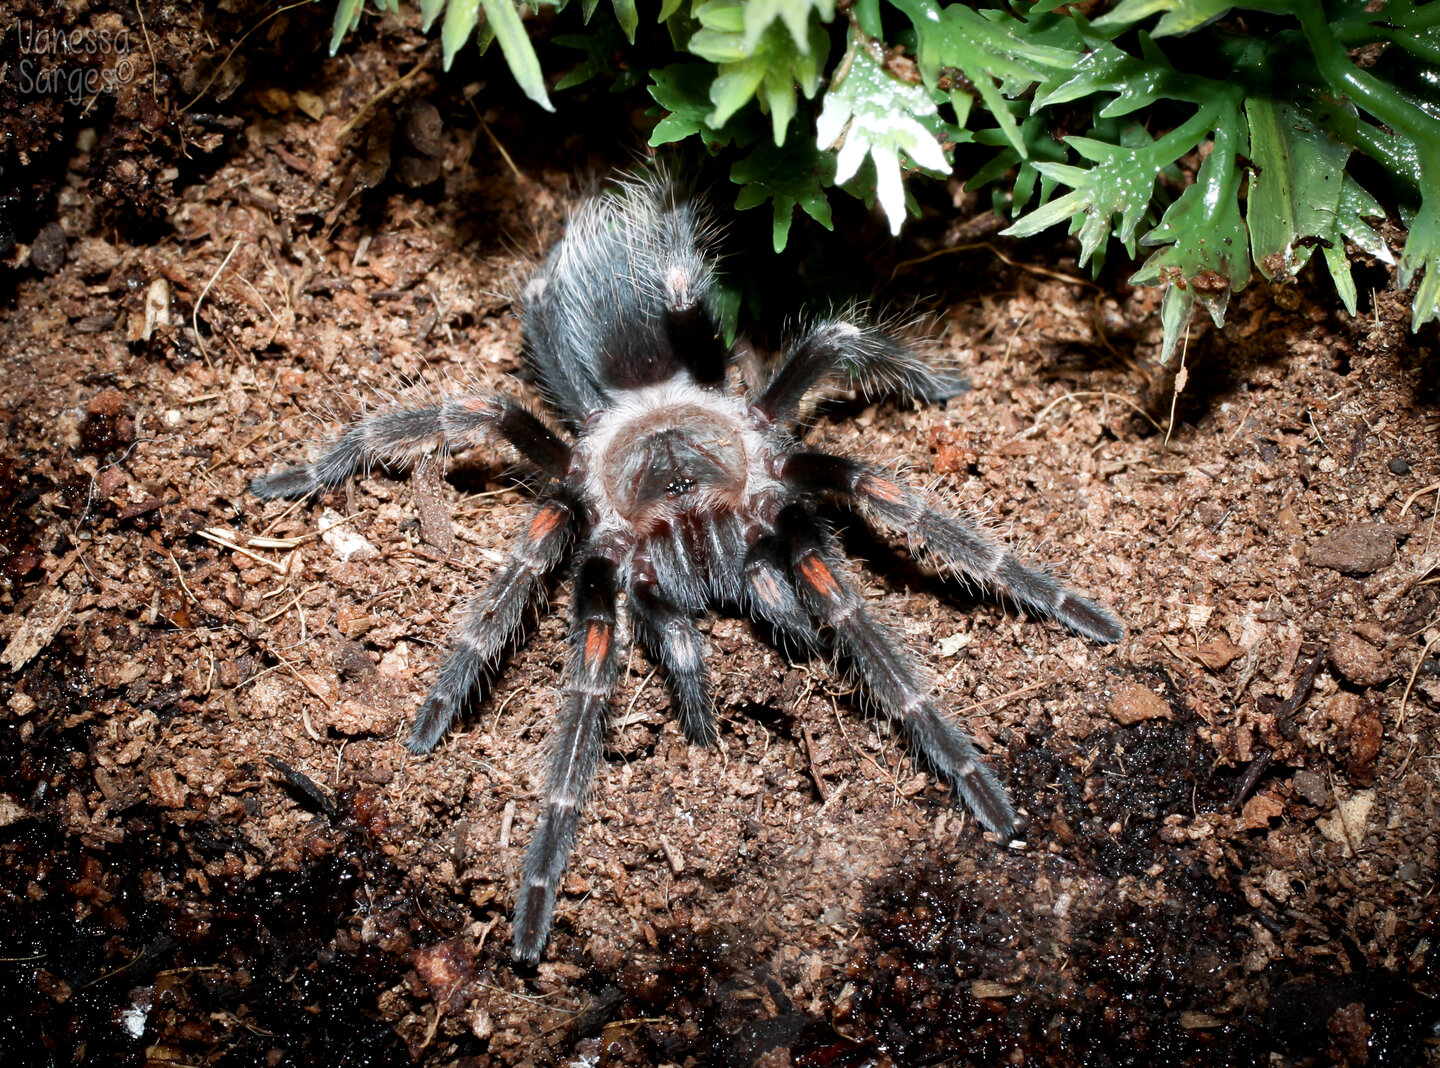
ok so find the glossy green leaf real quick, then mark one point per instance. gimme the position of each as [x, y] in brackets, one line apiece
[796, 175]
[683, 90]
[1206, 255]
[772, 66]
[760, 15]
[1295, 186]
[347, 17]
[872, 114]
[504, 19]
[429, 11]
[460, 19]
[627, 16]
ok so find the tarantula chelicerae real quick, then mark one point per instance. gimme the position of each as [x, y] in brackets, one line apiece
[683, 497]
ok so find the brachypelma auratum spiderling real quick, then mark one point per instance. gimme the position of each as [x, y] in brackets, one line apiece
[672, 495]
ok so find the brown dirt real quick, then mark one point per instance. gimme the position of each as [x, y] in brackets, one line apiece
[215, 850]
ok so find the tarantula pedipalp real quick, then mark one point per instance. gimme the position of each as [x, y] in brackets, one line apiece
[683, 497]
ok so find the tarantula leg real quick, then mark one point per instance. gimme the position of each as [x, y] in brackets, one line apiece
[954, 544]
[593, 666]
[770, 594]
[493, 618]
[878, 360]
[401, 436]
[891, 675]
[696, 340]
[673, 639]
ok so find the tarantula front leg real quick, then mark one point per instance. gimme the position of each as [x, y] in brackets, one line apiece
[891, 675]
[770, 594]
[593, 667]
[877, 359]
[401, 436]
[672, 638]
[493, 618]
[953, 543]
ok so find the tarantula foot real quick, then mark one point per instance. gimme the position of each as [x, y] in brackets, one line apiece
[287, 482]
[942, 386]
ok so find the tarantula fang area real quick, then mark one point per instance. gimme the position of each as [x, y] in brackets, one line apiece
[666, 487]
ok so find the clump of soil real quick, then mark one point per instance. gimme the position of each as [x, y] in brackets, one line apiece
[215, 848]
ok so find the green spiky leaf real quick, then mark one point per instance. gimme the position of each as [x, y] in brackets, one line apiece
[871, 114]
[796, 175]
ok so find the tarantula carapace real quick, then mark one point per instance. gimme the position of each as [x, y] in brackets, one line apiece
[675, 495]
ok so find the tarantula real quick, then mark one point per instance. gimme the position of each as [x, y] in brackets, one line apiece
[684, 497]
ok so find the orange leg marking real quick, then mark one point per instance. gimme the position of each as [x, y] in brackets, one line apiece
[881, 489]
[545, 521]
[818, 574]
[597, 642]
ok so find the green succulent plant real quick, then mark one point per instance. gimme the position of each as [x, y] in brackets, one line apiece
[1209, 137]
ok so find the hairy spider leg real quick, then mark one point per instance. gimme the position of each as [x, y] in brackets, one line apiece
[770, 595]
[890, 674]
[696, 339]
[400, 437]
[492, 620]
[839, 347]
[951, 542]
[671, 637]
[594, 664]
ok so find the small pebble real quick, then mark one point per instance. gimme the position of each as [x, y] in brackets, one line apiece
[1133, 703]
[48, 251]
[1312, 787]
[1359, 661]
[1355, 549]
[1399, 467]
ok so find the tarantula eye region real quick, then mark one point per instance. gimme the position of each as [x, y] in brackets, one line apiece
[678, 487]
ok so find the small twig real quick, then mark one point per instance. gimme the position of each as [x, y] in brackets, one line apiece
[834, 796]
[976, 246]
[1418, 493]
[1318, 436]
[1414, 673]
[179, 575]
[519, 176]
[420, 65]
[214, 534]
[1002, 697]
[236, 47]
[1034, 427]
[217, 464]
[675, 860]
[1182, 378]
[154, 72]
[306, 785]
[820, 786]
[195, 312]
[507, 821]
[288, 605]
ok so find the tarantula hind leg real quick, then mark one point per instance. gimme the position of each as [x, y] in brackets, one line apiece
[953, 543]
[399, 437]
[891, 676]
[593, 666]
[494, 617]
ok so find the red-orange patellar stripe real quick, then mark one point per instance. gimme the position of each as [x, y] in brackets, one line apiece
[881, 489]
[597, 642]
[818, 574]
[545, 521]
